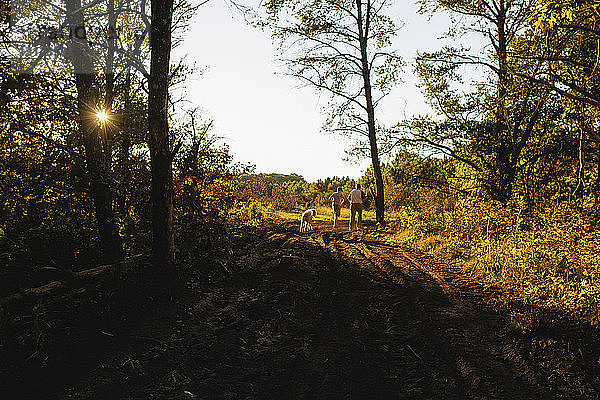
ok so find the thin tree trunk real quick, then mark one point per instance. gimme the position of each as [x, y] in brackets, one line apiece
[163, 246]
[125, 142]
[87, 101]
[379, 205]
[501, 186]
[110, 81]
[596, 187]
[366, 73]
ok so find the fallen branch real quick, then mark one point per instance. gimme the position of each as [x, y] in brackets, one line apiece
[415, 353]
[74, 281]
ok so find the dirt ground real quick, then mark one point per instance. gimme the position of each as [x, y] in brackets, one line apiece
[330, 315]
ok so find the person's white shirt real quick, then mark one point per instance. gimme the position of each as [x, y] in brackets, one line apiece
[356, 196]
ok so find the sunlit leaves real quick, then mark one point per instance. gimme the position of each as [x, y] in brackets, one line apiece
[548, 13]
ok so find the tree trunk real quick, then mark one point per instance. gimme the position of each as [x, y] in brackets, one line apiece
[379, 205]
[125, 145]
[163, 245]
[110, 82]
[596, 186]
[366, 74]
[87, 100]
[501, 186]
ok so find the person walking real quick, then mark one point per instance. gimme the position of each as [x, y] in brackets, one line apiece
[356, 207]
[337, 200]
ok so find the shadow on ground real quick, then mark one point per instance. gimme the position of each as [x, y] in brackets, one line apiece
[325, 314]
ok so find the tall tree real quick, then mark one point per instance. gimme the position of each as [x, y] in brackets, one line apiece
[566, 37]
[163, 245]
[89, 103]
[488, 128]
[342, 47]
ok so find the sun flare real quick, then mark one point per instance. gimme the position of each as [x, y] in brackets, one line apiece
[102, 116]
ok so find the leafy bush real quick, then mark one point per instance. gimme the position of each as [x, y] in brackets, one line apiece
[251, 213]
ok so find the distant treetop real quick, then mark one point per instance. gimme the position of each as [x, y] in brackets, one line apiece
[273, 177]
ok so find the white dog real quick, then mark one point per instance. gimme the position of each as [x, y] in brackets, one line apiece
[306, 219]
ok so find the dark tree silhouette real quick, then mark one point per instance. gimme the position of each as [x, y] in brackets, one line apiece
[163, 245]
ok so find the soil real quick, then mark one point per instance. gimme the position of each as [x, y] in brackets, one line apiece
[327, 314]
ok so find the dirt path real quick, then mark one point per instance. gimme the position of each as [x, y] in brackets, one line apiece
[465, 349]
[328, 315]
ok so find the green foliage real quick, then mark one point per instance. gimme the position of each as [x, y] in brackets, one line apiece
[489, 125]
[554, 263]
[275, 178]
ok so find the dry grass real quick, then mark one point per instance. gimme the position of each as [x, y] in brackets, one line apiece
[325, 214]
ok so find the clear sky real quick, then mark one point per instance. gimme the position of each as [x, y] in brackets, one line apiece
[265, 117]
